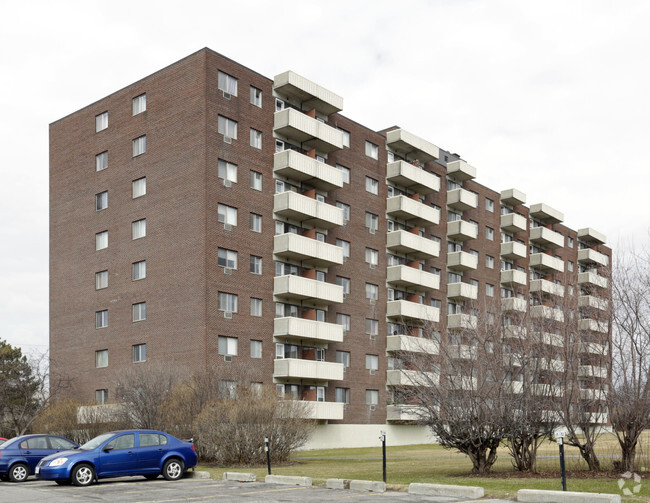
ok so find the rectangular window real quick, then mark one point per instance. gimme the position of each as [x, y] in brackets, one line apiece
[256, 265]
[343, 320]
[227, 171]
[101, 122]
[372, 150]
[227, 214]
[139, 104]
[372, 397]
[139, 353]
[227, 302]
[256, 180]
[101, 201]
[101, 396]
[489, 204]
[139, 270]
[139, 145]
[101, 240]
[256, 349]
[489, 290]
[139, 228]
[256, 97]
[345, 245]
[101, 319]
[101, 358]
[101, 161]
[140, 311]
[342, 395]
[372, 362]
[570, 266]
[139, 187]
[371, 256]
[227, 258]
[101, 280]
[346, 138]
[345, 171]
[489, 262]
[256, 138]
[372, 291]
[256, 307]
[227, 127]
[344, 282]
[489, 233]
[346, 210]
[569, 242]
[227, 83]
[372, 326]
[227, 345]
[343, 357]
[372, 221]
[372, 185]
[256, 222]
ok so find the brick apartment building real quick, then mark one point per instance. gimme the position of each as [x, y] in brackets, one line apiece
[207, 215]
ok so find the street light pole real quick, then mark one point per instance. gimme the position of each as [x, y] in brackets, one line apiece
[382, 437]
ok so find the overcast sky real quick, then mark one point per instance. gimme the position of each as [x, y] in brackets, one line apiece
[550, 97]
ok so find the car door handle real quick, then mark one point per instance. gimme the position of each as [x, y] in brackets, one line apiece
[130, 453]
[160, 450]
[28, 452]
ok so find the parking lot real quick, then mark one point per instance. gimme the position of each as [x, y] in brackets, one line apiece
[139, 490]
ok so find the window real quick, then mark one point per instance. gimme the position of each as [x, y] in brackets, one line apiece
[279, 104]
[139, 270]
[372, 397]
[101, 319]
[101, 201]
[371, 256]
[489, 262]
[139, 228]
[346, 210]
[372, 150]
[101, 122]
[227, 214]
[140, 311]
[256, 138]
[343, 320]
[345, 245]
[101, 240]
[256, 265]
[256, 349]
[227, 127]
[256, 307]
[139, 104]
[101, 280]
[372, 185]
[342, 395]
[256, 222]
[101, 358]
[256, 180]
[227, 389]
[227, 171]
[139, 187]
[569, 242]
[227, 83]
[101, 161]
[139, 145]
[344, 282]
[489, 290]
[570, 266]
[343, 357]
[256, 97]
[345, 171]
[227, 302]
[101, 396]
[227, 258]
[372, 221]
[227, 345]
[139, 353]
[346, 138]
[372, 362]
[489, 204]
[489, 233]
[372, 326]
[372, 291]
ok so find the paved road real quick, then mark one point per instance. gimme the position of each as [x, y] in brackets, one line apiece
[138, 490]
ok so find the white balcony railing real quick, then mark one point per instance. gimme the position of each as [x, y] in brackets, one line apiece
[413, 245]
[412, 211]
[461, 261]
[546, 237]
[407, 310]
[302, 168]
[513, 222]
[311, 133]
[295, 368]
[307, 250]
[307, 289]
[462, 291]
[412, 177]
[411, 378]
[513, 250]
[308, 93]
[513, 277]
[412, 344]
[545, 262]
[546, 287]
[461, 199]
[410, 277]
[300, 329]
[308, 210]
[460, 230]
[411, 147]
[592, 279]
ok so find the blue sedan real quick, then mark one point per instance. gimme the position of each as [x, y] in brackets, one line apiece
[119, 454]
[20, 455]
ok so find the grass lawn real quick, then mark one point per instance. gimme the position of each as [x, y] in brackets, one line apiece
[433, 464]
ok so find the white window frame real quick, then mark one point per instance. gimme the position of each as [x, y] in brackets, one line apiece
[227, 302]
[255, 264]
[372, 150]
[139, 229]
[227, 171]
[139, 270]
[139, 187]
[345, 171]
[255, 179]
[255, 138]
[139, 145]
[101, 122]
[139, 353]
[372, 256]
[255, 219]
[372, 397]
[139, 104]
[227, 83]
[101, 396]
[227, 214]
[227, 346]
[101, 280]
[101, 240]
[372, 291]
[256, 307]
[256, 349]
[227, 127]
[101, 161]
[372, 185]
[372, 362]
[372, 221]
[101, 318]
[101, 200]
[139, 311]
[346, 137]
[226, 258]
[256, 96]
[372, 326]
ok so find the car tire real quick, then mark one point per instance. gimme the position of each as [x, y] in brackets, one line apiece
[82, 475]
[62, 482]
[151, 476]
[173, 469]
[19, 472]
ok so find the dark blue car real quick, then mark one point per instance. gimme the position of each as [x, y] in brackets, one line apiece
[119, 454]
[20, 455]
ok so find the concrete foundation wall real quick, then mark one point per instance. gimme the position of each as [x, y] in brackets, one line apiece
[335, 436]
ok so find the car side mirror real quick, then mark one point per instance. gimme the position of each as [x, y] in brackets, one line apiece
[108, 449]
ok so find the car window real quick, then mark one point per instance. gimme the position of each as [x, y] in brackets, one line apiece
[122, 442]
[163, 439]
[149, 439]
[34, 443]
[61, 443]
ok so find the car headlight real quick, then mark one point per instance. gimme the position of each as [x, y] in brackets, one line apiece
[58, 461]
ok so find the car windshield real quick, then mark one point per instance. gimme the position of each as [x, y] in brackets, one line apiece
[96, 442]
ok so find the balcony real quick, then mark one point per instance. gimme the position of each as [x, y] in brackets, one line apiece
[413, 245]
[307, 250]
[323, 411]
[306, 92]
[548, 364]
[407, 310]
[295, 368]
[514, 332]
[459, 230]
[513, 250]
[546, 214]
[410, 277]
[411, 378]
[589, 301]
[589, 256]
[590, 325]
[302, 168]
[462, 321]
[300, 329]
[547, 313]
[593, 394]
[591, 237]
[547, 390]
[306, 289]
[412, 344]
[311, 133]
[593, 348]
[591, 279]
[460, 171]
[592, 371]
[461, 261]
[462, 291]
[412, 177]
[548, 339]
[307, 210]
[462, 352]
[546, 287]
[513, 222]
[513, 197]
[547, 263]
[412, 211]
[411, 147]
[546, 238]
[405, 412]
[461, 199]
[513, 277]
[514, 304]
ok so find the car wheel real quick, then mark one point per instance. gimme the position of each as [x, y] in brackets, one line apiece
[82, 475]
[18, 472]
[151, 476]
[173, 469]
